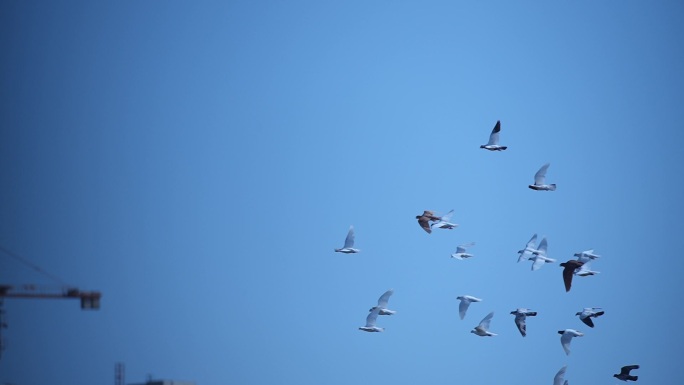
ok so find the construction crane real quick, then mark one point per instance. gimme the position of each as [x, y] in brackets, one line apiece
[90, 300]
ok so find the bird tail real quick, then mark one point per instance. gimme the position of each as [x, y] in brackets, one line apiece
[552, 187]
[634, 378]
[503, 148]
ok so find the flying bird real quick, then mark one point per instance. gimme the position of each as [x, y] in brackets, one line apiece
[465, 302]
[370, 322]
[540, 180]
[520, 315]
[461, 251]
[529, 248]
[444, 221]
[539, 257]
[624, 373]
[424, 220]
[348, 243]
[493, 144]
[382, 303]
[568, 271]
[566, 338]
[482, 329]
[586, 256]
[558, 378]
[587, 313]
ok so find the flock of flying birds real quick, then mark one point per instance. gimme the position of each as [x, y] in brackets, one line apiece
[537, 254]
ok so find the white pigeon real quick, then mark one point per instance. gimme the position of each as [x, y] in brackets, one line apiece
[520, 315]
[558, 378]
[539, 257]
[482, 329]
[587, 313]
[349, 243]
[585, 270]
[382, 303]
[370, 322]
[566, 337]
[465, 302]
[493, 144]
[461, 253]
[540, 180]
[586, 256]
[444, 223]
[529, 248]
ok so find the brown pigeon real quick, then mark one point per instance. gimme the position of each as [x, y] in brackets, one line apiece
[424, 220]
[568, 270]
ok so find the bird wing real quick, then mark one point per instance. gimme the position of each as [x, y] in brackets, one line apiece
[494, 136]
[462, 248]
[372, 316]
[558, 378]
[446, 217]
[587, 321]
[565, 341]
[567, 278]
[531, 242]
[540, 176]
[430, 215]
[382, 301]
[349, 241]
[484, 324]
[463, 307]
[543, 245]
[626, 369]
[568, 271]
[520, 323]
[424, 222]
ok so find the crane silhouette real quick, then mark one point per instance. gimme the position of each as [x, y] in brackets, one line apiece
[90, 300]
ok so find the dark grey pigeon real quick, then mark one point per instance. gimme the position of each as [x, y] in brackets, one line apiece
[588, 312]
[624, 373]
[520, 315]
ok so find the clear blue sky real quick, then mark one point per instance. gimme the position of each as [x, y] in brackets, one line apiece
[197, 164]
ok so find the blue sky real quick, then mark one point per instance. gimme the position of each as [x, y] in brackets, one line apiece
[198, 163]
